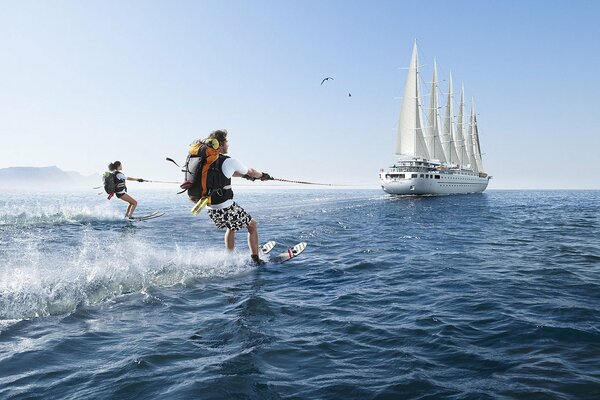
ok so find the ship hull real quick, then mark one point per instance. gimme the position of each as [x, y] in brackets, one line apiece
[433, 184]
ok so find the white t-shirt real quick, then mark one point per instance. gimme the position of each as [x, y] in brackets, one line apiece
[232, 165]
[229, 166]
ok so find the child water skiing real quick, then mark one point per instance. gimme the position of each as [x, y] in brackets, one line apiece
[121, 189]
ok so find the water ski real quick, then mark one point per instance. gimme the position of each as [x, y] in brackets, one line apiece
[290, 253]
[146, 217]
[286, 255]
[267, 247]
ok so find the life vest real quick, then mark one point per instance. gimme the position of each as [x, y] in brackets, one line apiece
[204, 173]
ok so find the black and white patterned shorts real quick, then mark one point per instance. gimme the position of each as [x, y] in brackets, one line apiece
[233, 217]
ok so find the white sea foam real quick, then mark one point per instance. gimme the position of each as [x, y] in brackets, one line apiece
[36, 283]
[66, 211]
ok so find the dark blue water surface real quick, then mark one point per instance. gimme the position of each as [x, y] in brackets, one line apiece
[486, 296]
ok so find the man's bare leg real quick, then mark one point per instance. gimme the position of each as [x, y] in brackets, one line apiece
[229, 240]
[253, 237]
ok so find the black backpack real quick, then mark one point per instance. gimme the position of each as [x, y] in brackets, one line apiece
[110, 183]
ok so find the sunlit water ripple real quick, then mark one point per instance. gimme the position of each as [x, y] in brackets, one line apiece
[478, 296]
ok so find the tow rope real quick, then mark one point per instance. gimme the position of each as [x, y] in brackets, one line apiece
[302, 182]
[177, 183]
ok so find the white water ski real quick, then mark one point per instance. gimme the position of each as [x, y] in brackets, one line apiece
[290, 253]
[267, 247]
[146, 217]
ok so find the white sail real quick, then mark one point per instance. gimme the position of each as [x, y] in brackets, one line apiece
[475, 138]
[470, 141]
[469, 145]
[410, 140]
[459, 138]
[433, 139]
[449, 130]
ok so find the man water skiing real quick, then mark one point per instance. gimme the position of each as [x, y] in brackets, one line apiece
[223, 211]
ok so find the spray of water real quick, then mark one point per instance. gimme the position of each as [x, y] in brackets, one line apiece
[35, 284]
[39, 212]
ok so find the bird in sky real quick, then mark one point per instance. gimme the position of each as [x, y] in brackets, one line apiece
[326, 79]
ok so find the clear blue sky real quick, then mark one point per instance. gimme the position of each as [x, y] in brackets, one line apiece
[83, 83]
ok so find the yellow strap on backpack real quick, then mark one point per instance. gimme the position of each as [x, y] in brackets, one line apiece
[194, 148]
[203, 202]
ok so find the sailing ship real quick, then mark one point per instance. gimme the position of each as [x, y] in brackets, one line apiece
[434, 158]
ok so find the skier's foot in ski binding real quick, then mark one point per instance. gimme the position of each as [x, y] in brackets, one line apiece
[257, 260]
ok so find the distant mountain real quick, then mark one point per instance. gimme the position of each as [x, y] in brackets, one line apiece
[46, 178]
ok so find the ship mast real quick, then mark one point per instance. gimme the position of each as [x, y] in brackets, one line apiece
[448, 137]
[460, 131]
[434, 143]
[475, 138]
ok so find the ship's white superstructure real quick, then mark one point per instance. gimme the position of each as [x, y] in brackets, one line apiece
[433, 158]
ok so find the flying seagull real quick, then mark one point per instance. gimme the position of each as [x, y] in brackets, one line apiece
[326, 79]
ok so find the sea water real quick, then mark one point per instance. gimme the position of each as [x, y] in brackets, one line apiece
[486, 296]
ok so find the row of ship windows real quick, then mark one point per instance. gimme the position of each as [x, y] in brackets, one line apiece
[403, 176]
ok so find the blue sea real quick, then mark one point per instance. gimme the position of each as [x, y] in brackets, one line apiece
[488, 296]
